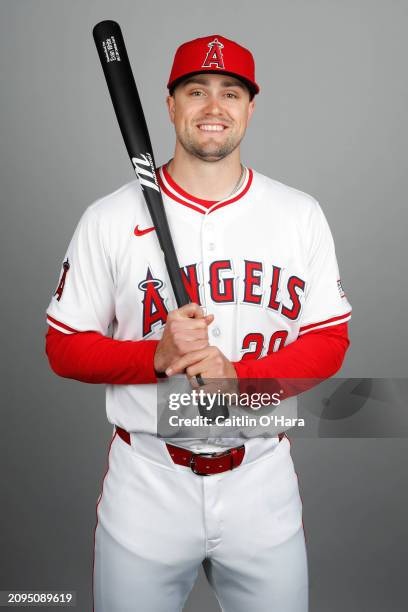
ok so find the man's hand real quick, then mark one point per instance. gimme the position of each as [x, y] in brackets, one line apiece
[210, 362]
[186, 331]
[217, 371]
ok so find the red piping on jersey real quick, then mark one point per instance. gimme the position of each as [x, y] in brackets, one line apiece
[341, 318]
[192, 199]
[52, 321]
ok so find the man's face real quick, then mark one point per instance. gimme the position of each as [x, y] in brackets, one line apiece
[210, 113]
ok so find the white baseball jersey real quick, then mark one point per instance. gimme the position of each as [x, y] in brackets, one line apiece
[262, 261]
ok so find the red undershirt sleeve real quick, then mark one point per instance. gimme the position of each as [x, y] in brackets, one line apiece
[309, 360]
[94, 358]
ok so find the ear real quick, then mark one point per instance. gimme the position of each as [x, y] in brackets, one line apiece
[171, 103]
[251, 108]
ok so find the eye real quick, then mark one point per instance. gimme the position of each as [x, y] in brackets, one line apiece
[196, 92]
[231, 94]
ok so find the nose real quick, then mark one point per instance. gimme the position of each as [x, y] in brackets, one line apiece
[213, 105]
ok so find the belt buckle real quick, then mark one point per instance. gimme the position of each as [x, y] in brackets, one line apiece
[194, 455]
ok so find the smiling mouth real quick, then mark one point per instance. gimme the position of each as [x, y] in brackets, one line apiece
[211, 127]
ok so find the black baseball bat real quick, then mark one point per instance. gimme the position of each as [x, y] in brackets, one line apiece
[129, 112]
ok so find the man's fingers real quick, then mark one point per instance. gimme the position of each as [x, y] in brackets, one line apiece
[185, 361]
[190, 346]
[198, 367]
[191, 310]
[187, 335]
[180, 326]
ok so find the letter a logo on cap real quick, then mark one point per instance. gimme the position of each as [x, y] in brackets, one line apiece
[214, 55]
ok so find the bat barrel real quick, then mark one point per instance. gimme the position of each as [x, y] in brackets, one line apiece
[129, 112]
[122, 87]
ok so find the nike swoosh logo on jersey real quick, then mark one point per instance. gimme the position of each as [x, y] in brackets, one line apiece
[142, 232]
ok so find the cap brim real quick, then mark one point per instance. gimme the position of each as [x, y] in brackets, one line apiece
[253, 87]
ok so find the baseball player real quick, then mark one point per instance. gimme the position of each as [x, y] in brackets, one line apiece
[259, 265]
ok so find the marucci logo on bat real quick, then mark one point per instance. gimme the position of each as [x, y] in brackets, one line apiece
[145, 176]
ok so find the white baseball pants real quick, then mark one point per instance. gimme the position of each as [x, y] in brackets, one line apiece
[158, 521]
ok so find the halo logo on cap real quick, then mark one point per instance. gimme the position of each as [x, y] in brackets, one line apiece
[214, 55]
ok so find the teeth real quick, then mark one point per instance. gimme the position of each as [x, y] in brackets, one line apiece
[211, 127]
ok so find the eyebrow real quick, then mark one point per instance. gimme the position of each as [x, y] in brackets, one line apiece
[204, 81]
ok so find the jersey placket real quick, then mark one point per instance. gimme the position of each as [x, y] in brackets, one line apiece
[210, 244]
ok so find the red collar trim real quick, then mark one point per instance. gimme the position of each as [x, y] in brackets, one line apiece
[182, 193]
[176, 193]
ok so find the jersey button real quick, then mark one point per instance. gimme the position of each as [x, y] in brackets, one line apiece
[211, 246]
[216, 332]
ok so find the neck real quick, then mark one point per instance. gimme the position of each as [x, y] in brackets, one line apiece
[206, 180]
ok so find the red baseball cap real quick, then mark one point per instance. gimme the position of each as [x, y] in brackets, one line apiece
[214, 54]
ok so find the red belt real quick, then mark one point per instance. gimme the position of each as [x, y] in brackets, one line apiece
[202, 464]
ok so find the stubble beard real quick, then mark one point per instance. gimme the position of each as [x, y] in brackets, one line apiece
[212, 151]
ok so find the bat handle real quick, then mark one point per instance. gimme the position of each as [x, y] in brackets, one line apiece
[219, 411]
[199, 380]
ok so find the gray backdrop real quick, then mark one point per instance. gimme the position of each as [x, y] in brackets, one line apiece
[330, 120]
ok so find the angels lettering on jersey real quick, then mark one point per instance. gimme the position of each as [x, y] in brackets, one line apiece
[258, 286]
